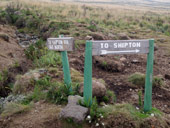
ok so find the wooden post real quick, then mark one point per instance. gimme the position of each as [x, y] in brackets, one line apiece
[149, 78]
[66, 69]
[87, 91]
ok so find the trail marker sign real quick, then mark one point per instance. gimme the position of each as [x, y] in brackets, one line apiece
[109, 47]
[120, 47]
[63, 44]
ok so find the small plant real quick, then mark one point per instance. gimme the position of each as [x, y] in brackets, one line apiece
[140, 99]
[58, 93]
[92, 28]
[110, 97]
[38, 94]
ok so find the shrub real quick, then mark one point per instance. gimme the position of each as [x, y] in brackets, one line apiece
[51, 59]
[139, 80]
[92, 28]
[58, 93]
[12, 12]
[35, 51]
[110, 97]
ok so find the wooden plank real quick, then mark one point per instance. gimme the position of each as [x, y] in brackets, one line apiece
[61, 44]
[107, 47]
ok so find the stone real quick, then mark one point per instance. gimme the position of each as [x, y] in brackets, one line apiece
[89, 38]
[74, 99]
[167, 76]
[24, 85]
[24, 44]
[98, 88]
[73, 110]
[123, 59]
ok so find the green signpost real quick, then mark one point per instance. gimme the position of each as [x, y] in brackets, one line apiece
[105, 47]
[63, 44]
[66, 69]
[149, 78]
[87, 92]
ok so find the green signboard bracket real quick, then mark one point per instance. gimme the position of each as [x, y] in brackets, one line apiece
[66, 69]
[87, 91]
[149, 78]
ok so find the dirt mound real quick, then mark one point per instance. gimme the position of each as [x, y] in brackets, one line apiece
[10, 51]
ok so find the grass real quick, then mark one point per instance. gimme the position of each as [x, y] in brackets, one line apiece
[14, 108]
[129, 110]
[138, 79]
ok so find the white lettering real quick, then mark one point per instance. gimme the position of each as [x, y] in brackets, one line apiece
[115, 45]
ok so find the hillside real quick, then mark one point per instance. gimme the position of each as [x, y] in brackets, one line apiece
[33, 90]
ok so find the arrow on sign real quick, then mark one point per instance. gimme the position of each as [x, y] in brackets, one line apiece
[104, 52]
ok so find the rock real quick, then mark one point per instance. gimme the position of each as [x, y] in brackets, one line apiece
[98, 88]
[89, 38]
[167, 76]
[73, 110]
[123, 59]
[123, 36]
[97, 36]
[74, 99]
[25, 44]
[24, 85]
[4, 37]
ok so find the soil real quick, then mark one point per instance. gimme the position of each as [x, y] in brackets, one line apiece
[12, 56]
[11, 52]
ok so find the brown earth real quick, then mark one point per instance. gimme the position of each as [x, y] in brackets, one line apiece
[10, 51]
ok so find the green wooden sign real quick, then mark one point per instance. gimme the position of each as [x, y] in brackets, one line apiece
[107, 47]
